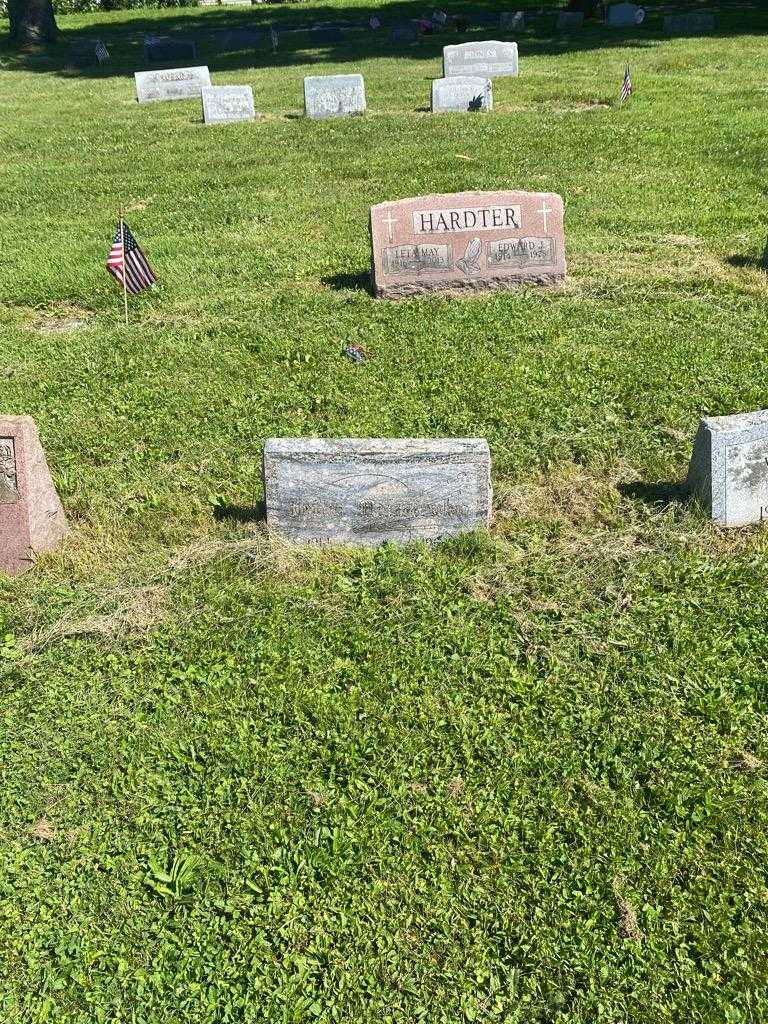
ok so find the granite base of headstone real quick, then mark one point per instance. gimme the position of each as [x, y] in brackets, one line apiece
[467, 241]
[224, 104]
[375, 491]
[487, 59]
[334, 96]
[729, 467]
[171, 84]
[31, 516]
[694, 23]
[623, 15]
[165, 50]
[461, 94]
[569, 21]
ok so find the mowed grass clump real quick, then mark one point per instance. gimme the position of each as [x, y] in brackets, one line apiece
[519, 776]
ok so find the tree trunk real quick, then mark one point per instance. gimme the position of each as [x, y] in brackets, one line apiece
[32, 21]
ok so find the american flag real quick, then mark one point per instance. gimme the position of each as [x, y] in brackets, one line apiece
[102, 53]
[138, 273]
[626, 85]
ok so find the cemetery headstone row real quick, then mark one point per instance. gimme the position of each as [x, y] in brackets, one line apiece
[693, 23]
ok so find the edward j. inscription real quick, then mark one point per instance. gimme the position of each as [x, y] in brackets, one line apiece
[467, 240]
[371, 491]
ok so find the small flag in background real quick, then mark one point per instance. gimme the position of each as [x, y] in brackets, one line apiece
[626, 85]
[138, 273]
[102, 53]
[275, 39]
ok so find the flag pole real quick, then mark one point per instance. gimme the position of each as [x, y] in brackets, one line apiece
[125, 276]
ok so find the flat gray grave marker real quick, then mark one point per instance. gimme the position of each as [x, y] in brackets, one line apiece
[223, 104]
[487, 59]
[570, 20]
[325, 35]
[461, 93]
[172, 84]
[695, 23]
[623, 15]
[334, 95]
[371, 491]
[729, 467]
[236, 38]
[471, 241]
[405, 32]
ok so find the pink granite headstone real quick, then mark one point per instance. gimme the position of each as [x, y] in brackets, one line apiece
[31, 517]
[467, 240]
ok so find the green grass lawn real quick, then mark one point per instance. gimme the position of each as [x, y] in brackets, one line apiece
[518, 777]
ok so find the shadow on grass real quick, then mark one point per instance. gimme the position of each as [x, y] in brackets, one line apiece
[660, 495]
[359, 282]
[241, 513]
[357, 41]
[753, 262]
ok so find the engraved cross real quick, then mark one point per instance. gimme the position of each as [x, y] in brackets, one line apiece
[544, 211]
[389, 220]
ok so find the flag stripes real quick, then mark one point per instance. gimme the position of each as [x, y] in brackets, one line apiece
[127, 263]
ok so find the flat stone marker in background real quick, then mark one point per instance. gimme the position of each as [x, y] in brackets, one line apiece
[163, 49]
[623, 15]
[173, 84]
[236, 38]
[695, 23]
[31, 517]
[729, 467]
[405, 32]
[461, 93]
[569, 20]
[225, 103]
[85, 52]
[334, 95]
[325, 35]
[489, 59]
[467, 240]
[370, 491]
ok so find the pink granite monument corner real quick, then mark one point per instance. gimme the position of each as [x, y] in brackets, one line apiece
[31, 515]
